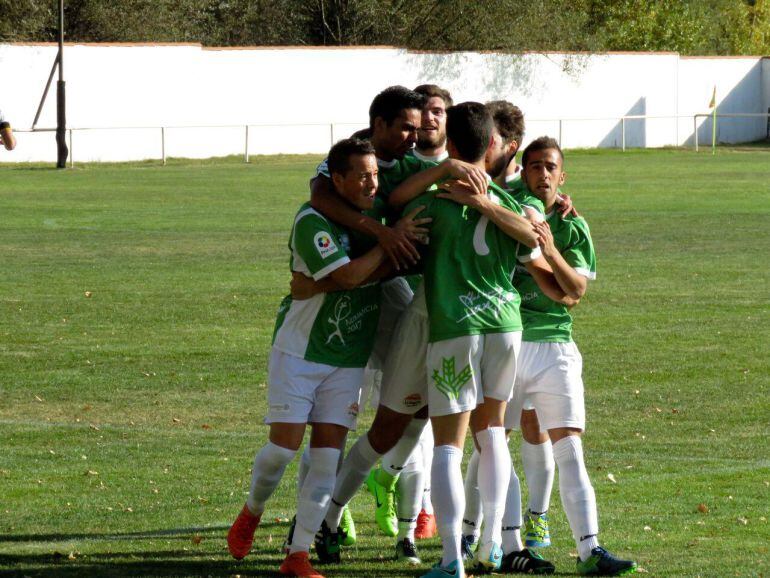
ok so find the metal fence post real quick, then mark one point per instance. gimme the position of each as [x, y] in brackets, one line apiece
[623, 132]
[695, 130]
[72, 159]
[560, 127]
[163, 143]
[246, 146]
[331, 134]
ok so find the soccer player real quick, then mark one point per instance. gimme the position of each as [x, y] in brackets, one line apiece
[6, 133]
[473, 317]
[550, 367]
[320, 347]
[396, 478]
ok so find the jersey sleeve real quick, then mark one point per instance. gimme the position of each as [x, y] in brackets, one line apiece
[524, 254]
[322, 169]
[580, 251]
[317, 245]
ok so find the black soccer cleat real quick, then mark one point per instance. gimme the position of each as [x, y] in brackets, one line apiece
[526, 562]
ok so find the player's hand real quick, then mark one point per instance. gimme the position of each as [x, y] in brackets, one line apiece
[302, 287]
[414, 226]
[475, 177]
[461, 193]
[565, 204]
[398, 246]
[545, 239]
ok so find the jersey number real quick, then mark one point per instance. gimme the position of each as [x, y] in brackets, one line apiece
[480, 233]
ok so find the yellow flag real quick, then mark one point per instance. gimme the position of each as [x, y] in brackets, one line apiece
[713, 102]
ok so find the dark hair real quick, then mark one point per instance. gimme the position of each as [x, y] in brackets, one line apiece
[390, 102]
[509, 120]
[339, 155]
[431, 90]
[540, 144]
[469, 126]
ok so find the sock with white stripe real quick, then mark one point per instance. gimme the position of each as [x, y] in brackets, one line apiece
[426, 444]
[539, 469]
[472, 517]
[449, 499]
[494, 475]
[512, 518]
[410, 485]
[314, 497]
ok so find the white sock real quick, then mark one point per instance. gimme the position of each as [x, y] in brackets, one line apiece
[494, 475]
[396, 459]
[449, 498]
[472, 517]
[539, 471]
[577, 493]
[314, 497]
[512, 518]
[360, 459]
[426, 444]
[269, 465]
[303, 468]
[410, 484]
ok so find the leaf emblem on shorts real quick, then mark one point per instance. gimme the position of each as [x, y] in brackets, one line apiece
[448, 381]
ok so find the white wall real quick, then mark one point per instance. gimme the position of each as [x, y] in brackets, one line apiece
[173, 85]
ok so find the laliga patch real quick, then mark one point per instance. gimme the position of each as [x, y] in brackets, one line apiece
[324, 243]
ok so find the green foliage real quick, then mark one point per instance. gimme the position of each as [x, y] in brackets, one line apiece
[686, 26]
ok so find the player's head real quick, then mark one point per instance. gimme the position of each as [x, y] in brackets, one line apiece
[394, 117]
[432, 133]
[469, 129]
[353, 168]
[543, 167]
[507, 136]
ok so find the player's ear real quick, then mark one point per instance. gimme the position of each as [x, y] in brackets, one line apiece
[562, 178]
[513, 147]
[379, 124]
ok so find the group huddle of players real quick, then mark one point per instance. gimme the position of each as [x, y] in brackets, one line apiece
[428, 254]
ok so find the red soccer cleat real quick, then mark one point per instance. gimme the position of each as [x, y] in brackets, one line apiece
[298, 564]
[426, 526]
[241, 534]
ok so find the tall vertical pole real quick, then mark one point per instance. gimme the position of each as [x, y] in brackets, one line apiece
[61, 116]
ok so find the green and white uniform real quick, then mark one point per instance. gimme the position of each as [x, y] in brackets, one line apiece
[473, 306]
[549, 378]
[321, 344]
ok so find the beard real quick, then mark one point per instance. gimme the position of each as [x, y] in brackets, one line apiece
[430, 140]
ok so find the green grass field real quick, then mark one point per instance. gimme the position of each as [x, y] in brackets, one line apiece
[136, 308]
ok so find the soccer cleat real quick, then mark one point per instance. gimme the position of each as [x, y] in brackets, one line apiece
[489, 557]
[289, 537]
[347, 529]
[385, 512]
[452, 570]
[602, 563]
[241, 535]
[526, 562]
[298, 564]
[468, 546]
[426, 526]
[327, 545]
[406, 552]
[536, 533]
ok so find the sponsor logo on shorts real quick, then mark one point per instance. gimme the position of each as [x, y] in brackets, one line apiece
[353, 409]
[280, 407]
[413, 400]
[324, 243]
[449, 382]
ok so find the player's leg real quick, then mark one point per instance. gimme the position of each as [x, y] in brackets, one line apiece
[539, 468]
[426, 520]
[561, 411]
[291, 381]
[473, 514]
[410, 484]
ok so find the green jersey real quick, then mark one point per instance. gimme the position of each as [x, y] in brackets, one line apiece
[469, 268]
[544, 319]
[337, 328]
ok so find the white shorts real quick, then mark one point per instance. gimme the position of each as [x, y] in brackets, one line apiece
[464, 370]
[301, 391]
[404, 387]
[549, 380]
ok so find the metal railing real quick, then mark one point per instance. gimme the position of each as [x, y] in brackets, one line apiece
[247, 128]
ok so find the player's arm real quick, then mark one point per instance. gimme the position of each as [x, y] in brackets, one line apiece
[546, 280]
[303, 287]
[513, 225]
[6, 136]
[415, 185]
[573, 283]
[396, 243]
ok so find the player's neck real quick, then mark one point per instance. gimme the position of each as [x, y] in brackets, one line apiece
[550, 203]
